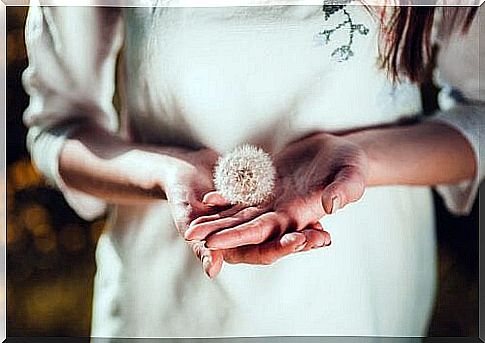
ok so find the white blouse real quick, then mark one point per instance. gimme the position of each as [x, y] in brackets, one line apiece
[220, 77]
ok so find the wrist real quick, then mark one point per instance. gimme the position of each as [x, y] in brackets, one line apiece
[155, 169]
[369, 146]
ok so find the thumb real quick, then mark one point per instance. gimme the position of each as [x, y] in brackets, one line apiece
[348, 187]
[215, 199]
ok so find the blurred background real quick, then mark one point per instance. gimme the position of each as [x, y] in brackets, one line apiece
[50, 251]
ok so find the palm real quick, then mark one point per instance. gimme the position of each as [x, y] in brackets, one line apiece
[316, 176]
[310, 173]
[185, 189]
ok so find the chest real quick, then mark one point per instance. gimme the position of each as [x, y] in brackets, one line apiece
[245, 74]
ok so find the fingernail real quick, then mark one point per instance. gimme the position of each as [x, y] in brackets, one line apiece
[300, 247]
[288, 239]
[335, 204]
[206, 263]
[211, 246]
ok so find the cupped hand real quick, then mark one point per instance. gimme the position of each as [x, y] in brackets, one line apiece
[190, 178]
[317, 175]
[185, 186]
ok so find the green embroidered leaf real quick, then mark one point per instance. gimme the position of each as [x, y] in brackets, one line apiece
[344, 52]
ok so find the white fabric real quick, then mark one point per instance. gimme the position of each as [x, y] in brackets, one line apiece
[220, 77]
[69, 82]
[459, 70]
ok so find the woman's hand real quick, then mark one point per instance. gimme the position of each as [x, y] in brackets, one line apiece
[316, 176]
[185, 188]
[185, 185]
[312, 237]
[97, 162]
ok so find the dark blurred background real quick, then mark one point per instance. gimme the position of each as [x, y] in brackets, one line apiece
[50, 251]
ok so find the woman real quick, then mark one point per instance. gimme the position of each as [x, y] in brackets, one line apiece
[305, 83]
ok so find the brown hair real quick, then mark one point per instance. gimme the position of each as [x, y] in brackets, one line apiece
[406, 37]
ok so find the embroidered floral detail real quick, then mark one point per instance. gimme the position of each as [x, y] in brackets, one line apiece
[344, 52]
[330, 7]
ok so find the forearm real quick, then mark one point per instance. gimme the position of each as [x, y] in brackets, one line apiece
[420, 154]
[104, 165]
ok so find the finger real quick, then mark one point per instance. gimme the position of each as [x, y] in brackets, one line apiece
[315, 226]
[266, 253]
[215, 199]
[186, 207]
[312, 237]
[348, 186]
[184, 213]
[212, 262]
[202, 227]
[217, 215]
[211, 259]
[316, 237]
[255, 231]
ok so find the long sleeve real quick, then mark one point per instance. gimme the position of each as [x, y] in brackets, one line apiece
[70, 78]
[461, 105]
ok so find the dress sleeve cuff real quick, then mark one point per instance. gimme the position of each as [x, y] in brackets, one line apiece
[45, 147]
[467, 120]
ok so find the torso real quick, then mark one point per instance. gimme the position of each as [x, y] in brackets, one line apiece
[220, 77]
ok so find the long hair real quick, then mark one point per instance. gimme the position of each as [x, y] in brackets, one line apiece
[405, 38]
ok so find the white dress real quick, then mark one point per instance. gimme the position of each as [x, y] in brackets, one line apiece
[220, 77]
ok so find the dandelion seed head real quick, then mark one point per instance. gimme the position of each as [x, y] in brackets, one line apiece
[245, 176]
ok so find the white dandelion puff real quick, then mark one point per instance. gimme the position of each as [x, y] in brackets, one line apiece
[245, 176]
